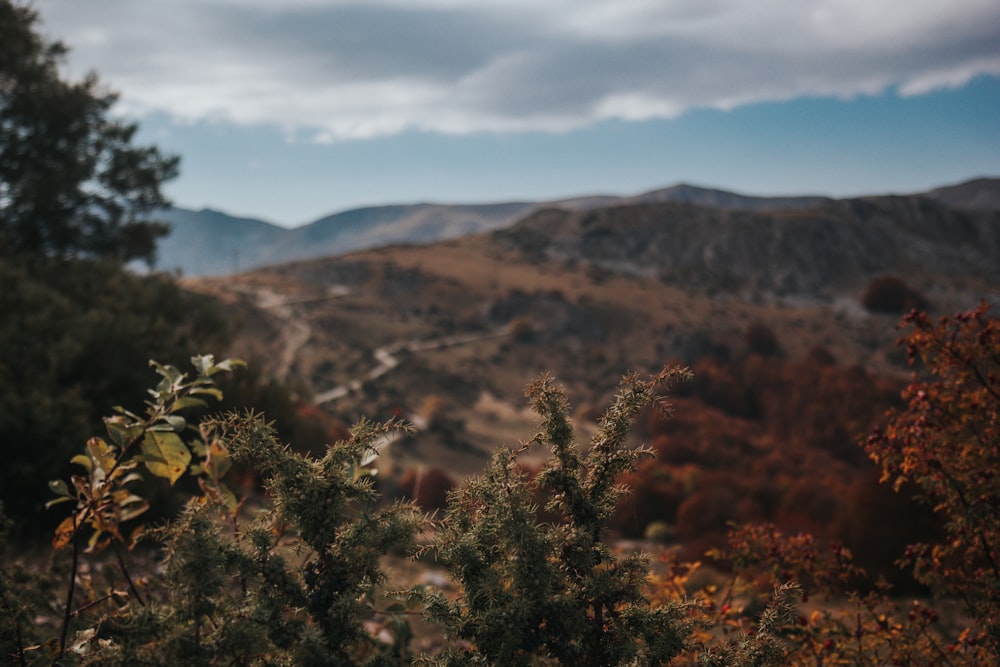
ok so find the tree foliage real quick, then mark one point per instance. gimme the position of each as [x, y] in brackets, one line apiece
[947, 442]
[72, 184]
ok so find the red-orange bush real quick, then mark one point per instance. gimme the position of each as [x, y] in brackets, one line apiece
[946, 441]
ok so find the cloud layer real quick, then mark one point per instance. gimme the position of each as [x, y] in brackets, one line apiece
[334, 70]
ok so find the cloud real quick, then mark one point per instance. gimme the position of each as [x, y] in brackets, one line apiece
[334, 70]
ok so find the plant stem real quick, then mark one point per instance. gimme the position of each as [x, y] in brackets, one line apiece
[70, 589]
[131, 585]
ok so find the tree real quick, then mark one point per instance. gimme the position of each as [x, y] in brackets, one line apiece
[71, 182]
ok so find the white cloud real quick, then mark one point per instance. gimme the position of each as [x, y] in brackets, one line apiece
[342, 70]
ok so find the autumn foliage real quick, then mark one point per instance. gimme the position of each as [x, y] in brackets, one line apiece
[946, 441]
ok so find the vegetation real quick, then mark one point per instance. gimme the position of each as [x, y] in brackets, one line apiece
[297, 577]
[554, 590]
[889, 294]
[168, 553]
[71, 182]
[76, 199]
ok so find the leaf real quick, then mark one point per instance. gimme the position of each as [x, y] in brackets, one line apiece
[177, 423]
[166, 455]
[83, 637]
[56, 501]
[63, 533]
[187, 402]
[202, 363]
[59, 487]
[101, 453]
[217, 461]
[226, 365]
[170, 373]
[134, 506]
[121, 435]
[83, 460]
[209, 391]
[197, 448]
[228, 497]
[136, 535]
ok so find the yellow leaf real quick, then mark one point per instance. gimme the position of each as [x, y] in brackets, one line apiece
[166, 454]
[63, 534]
[217, 461]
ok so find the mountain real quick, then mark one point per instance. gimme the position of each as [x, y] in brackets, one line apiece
[832, 246]
[977, 194]
[208, 242]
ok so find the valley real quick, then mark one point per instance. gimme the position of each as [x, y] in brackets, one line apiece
[794, 360]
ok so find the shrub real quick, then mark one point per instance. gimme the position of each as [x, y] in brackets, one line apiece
[553, 591]
[760, 339]
[297, 584]
[945, 442]
[889, 294]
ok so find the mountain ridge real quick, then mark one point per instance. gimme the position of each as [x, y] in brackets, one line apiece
[210, 242]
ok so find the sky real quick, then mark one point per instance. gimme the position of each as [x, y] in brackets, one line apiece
[288, 110]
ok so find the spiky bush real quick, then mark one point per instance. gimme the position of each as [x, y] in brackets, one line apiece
[553, 592]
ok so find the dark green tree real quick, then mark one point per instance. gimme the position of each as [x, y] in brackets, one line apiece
[71, 182]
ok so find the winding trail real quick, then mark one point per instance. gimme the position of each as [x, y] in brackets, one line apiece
[296, 333]
[387, 360]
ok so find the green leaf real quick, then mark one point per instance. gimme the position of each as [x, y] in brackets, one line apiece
[170, 373]
[177, 423]
[217, 461]
[59, 487]
[187, 402]
[198, 448]
[121, 435]
[226, 365]
[209, 391]
[228, 497]
[167, 455]
[56, 501]
[202, 363]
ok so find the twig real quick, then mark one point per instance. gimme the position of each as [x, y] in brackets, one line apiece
[131, 585]
[94, 603]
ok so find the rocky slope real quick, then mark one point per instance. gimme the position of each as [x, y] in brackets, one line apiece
[831, 247]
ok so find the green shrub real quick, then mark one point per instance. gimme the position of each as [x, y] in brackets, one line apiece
[536, 591]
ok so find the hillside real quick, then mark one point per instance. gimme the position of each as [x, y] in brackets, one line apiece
[458, 328]
[827, 249]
